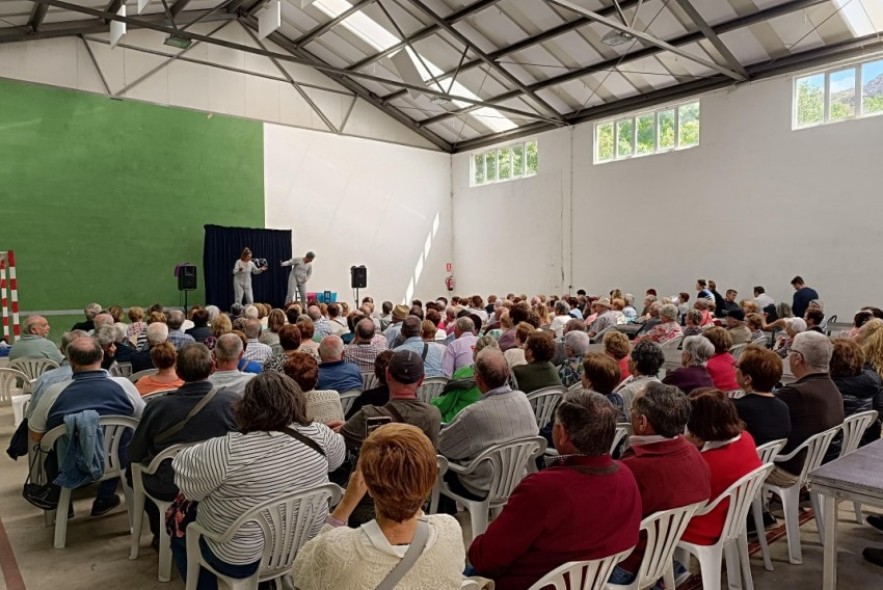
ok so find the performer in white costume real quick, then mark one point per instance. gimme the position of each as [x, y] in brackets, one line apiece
[301, 271]
[242, 271]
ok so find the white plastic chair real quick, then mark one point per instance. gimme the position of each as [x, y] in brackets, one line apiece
[767, 453]
[155, 395]
[816, 446]
[135, 376]
[581, 575]
[114, 427]
[33, 367]
[576, 386]
[139, 497]
[544, 401]
[737, 350]
[125, 369]
[15, 387]
[664, 530]
[672, 344]
[622, 432]
[369, 381]
[347, 398]
[431, 388]
[287, 523]
[508, 463]
[443, 465]
[733, 542]
[853, 429]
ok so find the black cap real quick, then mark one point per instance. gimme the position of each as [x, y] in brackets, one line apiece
[406, 367]
[736, 314]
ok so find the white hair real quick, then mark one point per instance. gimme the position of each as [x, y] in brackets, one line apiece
[92, 310]
[816, 349]
[699, 348]
[669, 311]
[578, 341]
[251, 312]
[213, 312]
[157, 332]
[795, 325]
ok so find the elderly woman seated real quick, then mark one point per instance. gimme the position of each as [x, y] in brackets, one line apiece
[694, 358]
[397, 467]
[322, 406]
[539, 372]
[722, 365]
[755, 324]
[793, 327]
[694, 320]
[515, 356]
[289, 338]
[667, 328]
[644, 364]
[576, 345]
[617, 346]
[858, 383]
[601, 375]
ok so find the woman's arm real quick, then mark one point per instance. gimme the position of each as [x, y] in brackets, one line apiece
[335, 447]
[201, 469]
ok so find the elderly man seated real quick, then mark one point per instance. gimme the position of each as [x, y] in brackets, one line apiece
[90, 311]
[605, 317]
[227, 355]
[584, 506]
[175, 320]
[576, 345]
[156, 333]
[737, 328]
[364, 349]
[411, 331]
[334, 372]
[459, 352]
[34, 342]
[62, 373]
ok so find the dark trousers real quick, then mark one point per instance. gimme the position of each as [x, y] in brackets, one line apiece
[207, 580]
[447, 505]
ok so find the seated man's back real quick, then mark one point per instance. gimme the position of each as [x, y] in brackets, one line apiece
[417, 413]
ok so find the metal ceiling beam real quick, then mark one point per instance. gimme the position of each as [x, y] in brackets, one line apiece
[525, 43]
[820, 56]
[715, 40]
[37, 15]
[113, 6]
[451, 19]
[324, 28]
[639, 34]
[178, 6]
[527, 92]
[97, 26]
[719, 29]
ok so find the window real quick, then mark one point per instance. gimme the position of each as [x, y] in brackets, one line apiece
[669, 128]
[839, 94]
[510, 162]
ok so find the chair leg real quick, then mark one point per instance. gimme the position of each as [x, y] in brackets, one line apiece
[64, 500]
[745, 562]
[49, 518]
[128, 494]
[710, 566]
[165, 555]
[858, 512]
[734, 566]
[669, 576]
[757, 513]
[193, 560]
[790, 506]
[819, 515]
[137, 516]
[478, 516]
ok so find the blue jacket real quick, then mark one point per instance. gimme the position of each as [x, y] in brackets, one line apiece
[82, 452]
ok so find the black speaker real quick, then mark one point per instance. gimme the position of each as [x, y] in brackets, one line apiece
[358, 277]
[187, 278]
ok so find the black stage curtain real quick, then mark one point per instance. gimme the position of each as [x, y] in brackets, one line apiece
[222, 248]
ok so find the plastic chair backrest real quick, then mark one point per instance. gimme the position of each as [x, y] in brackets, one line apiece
[544, 401]
[287, 522]
[854, 428]
[737, 350]
[114, 427]
[664, 531]
[740, 493]
[576, 386]
[764, 341]
[139, 469]
[125, 369]
[33, 367]
[347, 398]
[508, 463]
[816, 446]
[369, 381]
[767, 452]
[581, 575]
[621, 433]
[155, 395]
[431, 388]
[12, 379]
[672, 344]
[135, 376]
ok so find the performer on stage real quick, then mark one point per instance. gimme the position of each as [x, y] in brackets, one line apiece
[242, 271]
[301, 271]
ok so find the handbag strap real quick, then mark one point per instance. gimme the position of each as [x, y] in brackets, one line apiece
[415, 550]
[304, 439]
[395, 413]
[176, 428]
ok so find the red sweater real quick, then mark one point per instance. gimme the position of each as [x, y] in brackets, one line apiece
[560, 515]
[722, 371]
[726, 464]
[670, 474]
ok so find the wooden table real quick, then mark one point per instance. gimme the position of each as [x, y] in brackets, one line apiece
[856, 477]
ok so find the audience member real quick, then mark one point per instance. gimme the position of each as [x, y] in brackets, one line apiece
[289, 341]
[201, 329]
[766, 417]
[245, 365]
[604, 318]
[459, 352]
[397, 468]
[739, 332]
[164, 358]
[334, 372]
[255, 350]
[729, 303]
[462, 391]
[174, 320]
[755, 323]
[644, 364]
[156, 333]
[693, 372]
[584, 506]
[576, 345]
[562, 316]
[515, 355]
[275, 322]
[721, 366]
[601, 375]
[410, 331]
[48, 378]
[793, 327]
[34, 343]
[861, 387]
[322, 406]
[762, 299]
[307, 342]
[802, 296]
[364, 350]
[379, 395]
[517, 313]
[91, 310]
[393, 331]
[667, 328]
[539, 372]
[228, 354]
[617, 346]
[693, 321]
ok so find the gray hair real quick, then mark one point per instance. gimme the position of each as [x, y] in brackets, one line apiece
[699, 348]
[486, 342]
[817, 303]
[251, 312]
[629, 299]
[175, 319]
[121, 330]
[92, 310]
[105, 335]
[815, 348]
[648, 358]
[492, 366]
[796, 325]
[331, 348]
[213, 312]
[194, 362]
[228, 348]
[666, 408]
[69, 337]
[465, 324]
[103, 319]
[589, 420]
[669, 311]
[157, 332]
[562, 307]
[84, 351]
[695, 315]
[578, 342]
[252, 328]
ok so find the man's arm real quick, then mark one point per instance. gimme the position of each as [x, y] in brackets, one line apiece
[448, 360]
[454, 440]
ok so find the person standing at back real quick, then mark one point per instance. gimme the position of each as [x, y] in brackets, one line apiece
[802, 296]
[301, 271]
[242, 271]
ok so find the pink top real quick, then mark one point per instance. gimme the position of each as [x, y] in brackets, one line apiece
[722, 371]
[663, 332]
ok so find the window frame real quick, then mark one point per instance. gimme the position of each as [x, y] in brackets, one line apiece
[859, 99]
[514, 174]
[634, 117]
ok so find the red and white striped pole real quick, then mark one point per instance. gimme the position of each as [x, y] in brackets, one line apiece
[3, 300]
[13, 288]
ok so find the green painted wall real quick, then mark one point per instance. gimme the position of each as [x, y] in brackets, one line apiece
[101, 198]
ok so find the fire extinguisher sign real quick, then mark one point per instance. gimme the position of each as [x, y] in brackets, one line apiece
[449, 267]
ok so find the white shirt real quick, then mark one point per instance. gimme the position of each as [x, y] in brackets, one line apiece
[764, 300]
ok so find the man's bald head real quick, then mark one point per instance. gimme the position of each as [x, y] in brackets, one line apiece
[491, 369]
[365, 330]
[85, 354]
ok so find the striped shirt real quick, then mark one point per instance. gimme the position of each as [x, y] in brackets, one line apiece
[230, 475]
[363, 355]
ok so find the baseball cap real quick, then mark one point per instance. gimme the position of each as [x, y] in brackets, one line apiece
[406, 367]
[736, 314]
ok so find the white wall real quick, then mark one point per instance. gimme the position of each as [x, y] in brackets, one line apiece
[755, 203]
[358, 202]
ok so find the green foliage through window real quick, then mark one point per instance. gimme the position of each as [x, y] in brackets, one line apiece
[505, 163]
[648, 133]
[839, 94]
